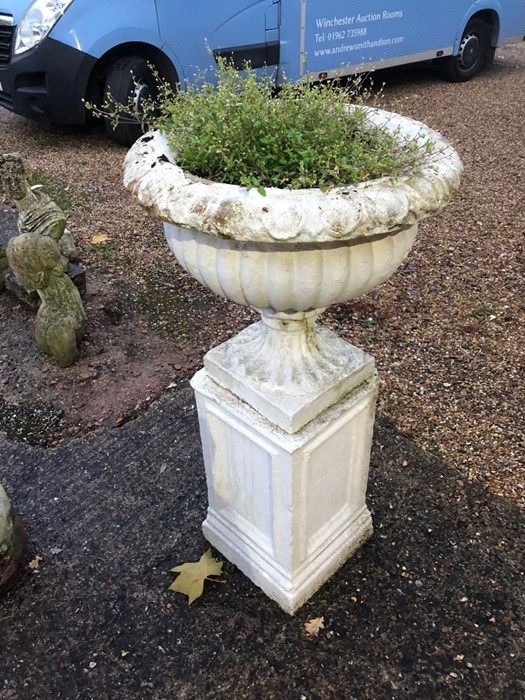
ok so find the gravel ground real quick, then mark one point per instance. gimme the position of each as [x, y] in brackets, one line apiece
[446, 330]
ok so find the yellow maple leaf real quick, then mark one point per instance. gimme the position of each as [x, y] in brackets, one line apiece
[190, 581]
[314, 626]
[100, 238]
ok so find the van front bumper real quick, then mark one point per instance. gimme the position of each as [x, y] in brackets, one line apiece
[47, 83]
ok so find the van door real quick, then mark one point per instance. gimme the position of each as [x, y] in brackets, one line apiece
[245, 31]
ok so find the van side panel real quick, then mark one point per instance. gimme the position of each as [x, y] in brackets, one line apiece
[372, 33]
[285, 38]
[343, 36]
[512, 20]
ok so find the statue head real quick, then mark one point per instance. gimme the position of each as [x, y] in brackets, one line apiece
[37, 211]
[41, 215]
[35, 260]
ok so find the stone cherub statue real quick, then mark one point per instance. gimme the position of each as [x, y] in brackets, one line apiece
[39, 258]
[37, 212]
[60, 320]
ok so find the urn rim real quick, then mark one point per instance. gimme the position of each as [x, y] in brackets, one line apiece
[171, 194]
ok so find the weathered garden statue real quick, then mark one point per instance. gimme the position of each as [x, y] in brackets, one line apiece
[38, 213]
[60, 320]
[12, 544]
[39, 257]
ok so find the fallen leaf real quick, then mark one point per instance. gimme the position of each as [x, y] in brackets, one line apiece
[35, 563]
[190, 581]
[100, 238]
[124, 653]
[314, 626]
[163, 467]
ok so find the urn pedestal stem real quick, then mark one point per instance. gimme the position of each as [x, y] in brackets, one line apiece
[286, 412]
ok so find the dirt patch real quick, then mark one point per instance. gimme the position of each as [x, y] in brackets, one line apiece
[123, 365]
[140, 340]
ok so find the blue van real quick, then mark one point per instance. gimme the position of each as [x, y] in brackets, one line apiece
[54, 54]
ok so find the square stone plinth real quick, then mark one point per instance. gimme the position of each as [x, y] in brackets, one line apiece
[283, 407]
[286, 509]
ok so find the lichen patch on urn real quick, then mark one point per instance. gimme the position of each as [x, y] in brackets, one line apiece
[223, 218]
[7, 526]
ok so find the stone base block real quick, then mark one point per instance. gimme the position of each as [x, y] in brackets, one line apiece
[286, 509]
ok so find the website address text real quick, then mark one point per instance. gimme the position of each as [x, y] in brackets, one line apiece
[366, 44]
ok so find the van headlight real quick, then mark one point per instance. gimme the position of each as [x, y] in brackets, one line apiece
[37, 21]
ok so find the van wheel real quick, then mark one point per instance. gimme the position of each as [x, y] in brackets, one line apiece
[131, 83]
[474, 54]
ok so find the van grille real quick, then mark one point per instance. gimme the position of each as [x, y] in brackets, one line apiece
[6, 40]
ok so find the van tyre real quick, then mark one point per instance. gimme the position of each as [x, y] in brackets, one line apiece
[475, 53]
[130, 81]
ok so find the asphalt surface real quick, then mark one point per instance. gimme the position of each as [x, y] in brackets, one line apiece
[432, 605]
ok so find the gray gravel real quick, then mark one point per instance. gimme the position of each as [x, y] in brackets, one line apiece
[447, 329]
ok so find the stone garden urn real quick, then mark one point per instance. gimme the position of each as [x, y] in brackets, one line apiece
[286, 407]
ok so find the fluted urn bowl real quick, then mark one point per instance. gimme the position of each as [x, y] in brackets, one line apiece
[292, 249]
[292, 253]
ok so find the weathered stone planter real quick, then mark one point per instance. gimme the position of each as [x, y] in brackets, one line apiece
[286, 408]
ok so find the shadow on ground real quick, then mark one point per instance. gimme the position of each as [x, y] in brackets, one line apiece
[432, 606]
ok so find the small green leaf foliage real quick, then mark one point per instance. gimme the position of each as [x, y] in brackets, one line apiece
[190, 581]
[163, 467]
[146, 115]
[241, 130]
